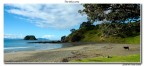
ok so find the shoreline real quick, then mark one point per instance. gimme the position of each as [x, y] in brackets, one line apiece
[72, 44]
[72, 53]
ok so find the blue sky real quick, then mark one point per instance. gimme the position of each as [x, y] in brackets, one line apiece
[42, 20]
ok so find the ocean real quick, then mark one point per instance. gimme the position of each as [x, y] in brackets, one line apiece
[17, 45]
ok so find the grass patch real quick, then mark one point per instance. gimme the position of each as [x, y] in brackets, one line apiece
[91, 36]
[133, 40]
[94, 36]
[129, 58]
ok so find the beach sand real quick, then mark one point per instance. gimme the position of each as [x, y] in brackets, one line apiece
[71, 53]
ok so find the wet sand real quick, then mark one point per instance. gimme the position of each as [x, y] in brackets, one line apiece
[71, 53]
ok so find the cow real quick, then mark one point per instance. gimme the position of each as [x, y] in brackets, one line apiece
[126, 47]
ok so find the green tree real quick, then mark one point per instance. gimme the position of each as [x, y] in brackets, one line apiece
[113, 16]
[111, 12]
[63, 38]
[73, 30]
[77, 37]
[87, 25]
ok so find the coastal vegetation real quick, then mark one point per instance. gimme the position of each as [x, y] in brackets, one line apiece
[116, 23]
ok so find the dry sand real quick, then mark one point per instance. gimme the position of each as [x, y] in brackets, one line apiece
[72, 53]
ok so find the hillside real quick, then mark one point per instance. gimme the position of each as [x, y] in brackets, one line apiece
[91, 37]
[93, 33]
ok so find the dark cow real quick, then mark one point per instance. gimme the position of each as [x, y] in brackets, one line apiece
[126, 47]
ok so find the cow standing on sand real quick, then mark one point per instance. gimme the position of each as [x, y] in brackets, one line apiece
[126, 47]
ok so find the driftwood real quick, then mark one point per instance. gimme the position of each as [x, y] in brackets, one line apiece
[65, 60]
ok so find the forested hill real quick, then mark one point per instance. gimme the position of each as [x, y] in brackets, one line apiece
[119, 23]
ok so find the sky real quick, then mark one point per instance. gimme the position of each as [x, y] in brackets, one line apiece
[49, 21]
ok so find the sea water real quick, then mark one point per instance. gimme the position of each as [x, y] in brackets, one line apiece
[16, 45]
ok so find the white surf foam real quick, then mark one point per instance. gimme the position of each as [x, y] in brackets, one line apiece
[16, 47]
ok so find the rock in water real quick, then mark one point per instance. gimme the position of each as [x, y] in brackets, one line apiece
[30, 37]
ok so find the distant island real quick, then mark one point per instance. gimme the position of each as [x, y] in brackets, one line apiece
[30, 37]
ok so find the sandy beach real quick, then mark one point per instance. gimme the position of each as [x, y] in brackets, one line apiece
[72, 53]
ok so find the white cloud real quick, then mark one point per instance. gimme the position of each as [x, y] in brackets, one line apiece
[48, 36]
[12, 36]
[51, 15]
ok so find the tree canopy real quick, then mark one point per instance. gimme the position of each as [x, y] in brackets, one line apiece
[112, 16]
[111, 12]
[63, 38]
